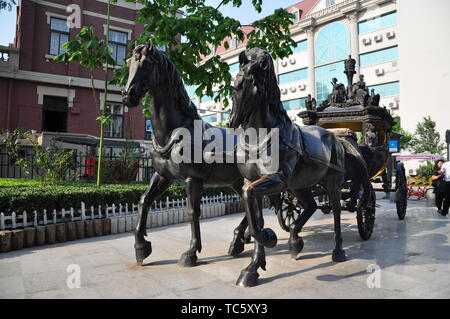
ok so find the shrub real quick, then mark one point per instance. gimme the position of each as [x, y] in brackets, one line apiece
[22, 197]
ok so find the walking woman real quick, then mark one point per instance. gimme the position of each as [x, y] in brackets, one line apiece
[438, 184]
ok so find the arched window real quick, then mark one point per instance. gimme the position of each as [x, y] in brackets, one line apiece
[332, 47]
[332, 44]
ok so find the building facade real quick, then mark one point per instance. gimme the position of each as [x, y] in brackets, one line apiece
[39, 94]
[327, 32]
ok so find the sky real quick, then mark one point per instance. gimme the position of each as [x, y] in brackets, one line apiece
[246, 14]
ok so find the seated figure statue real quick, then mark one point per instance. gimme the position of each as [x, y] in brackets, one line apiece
[360, 92]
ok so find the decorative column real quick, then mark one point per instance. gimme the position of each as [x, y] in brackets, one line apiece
[311, 62]
[354, 39]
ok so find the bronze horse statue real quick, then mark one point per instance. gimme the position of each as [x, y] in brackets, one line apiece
[307, 156]
[171, 110]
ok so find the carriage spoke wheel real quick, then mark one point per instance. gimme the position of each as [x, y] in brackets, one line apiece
[401, 191]
[365, 216]
[289, 212]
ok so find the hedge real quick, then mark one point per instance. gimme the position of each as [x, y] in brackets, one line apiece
[36, 197]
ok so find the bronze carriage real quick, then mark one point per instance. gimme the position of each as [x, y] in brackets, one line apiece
[353, 114]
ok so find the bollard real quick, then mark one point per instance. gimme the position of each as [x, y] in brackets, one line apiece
[5, 241]
[80, 229]
[89, 228]
[114, 224]
[61, 235]
[50, 234]
[29, 237]
[71, 231]
[17, 239]
[106, 225]
[121, 225]
[40, 235]
[98, 227]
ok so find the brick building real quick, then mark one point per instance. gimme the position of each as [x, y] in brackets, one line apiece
[52, 98]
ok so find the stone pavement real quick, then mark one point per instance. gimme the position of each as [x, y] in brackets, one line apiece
[413, 256]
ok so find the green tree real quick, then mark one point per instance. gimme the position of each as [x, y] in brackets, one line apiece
[406, 138]
[203, 28]
[7, 4]
[426, 138]
[93, 53]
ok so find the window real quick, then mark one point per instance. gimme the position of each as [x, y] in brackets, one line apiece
[115, 128]
[234, 67]
[293, 76]
[296, 14]
[54, 117]
[118, 45]
[388, 89]
[324, 75]
[332, 43]
[377, 23]
[330, 3]
[148, 130]
[380, 56]
[225, 116]
[234, 43]
[59, 34]
[295, 104]
[210, 118]
[301, 46]
[206, 98]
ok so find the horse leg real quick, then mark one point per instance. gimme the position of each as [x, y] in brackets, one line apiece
[158, 185]
[252, 194]
[249, 276]
[237, 244]
[194, 190]
[334, 182]
[306, 199]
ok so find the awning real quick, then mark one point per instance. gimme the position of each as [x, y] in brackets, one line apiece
[422, 156]
[94, 141]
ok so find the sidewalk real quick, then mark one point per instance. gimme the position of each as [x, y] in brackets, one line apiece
[413, 256]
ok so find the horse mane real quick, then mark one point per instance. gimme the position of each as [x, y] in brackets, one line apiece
[273, 95]
[175, 82]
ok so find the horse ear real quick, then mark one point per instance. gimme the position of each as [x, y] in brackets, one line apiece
[150, 47]
[243, 58]
[265, 63]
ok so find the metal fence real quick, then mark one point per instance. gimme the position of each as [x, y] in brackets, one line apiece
[86, 167]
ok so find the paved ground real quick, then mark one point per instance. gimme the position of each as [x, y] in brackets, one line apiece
[413, 256]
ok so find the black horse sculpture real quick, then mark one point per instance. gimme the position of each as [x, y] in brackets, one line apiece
[307, 156]
[172, 110]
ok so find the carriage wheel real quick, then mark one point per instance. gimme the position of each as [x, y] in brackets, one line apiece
[289, 212]
[365, 216]
[401, 191]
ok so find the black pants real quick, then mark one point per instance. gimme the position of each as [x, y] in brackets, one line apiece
[439, 199]
[446, 199]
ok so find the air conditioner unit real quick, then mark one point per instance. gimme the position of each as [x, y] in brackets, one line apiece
[393, 105]
[292, 61]
[394, 64]
[379, 72]
[390, 34]
[293, 89]
[283, 91]
[302, 87]
[367, 41]
[283, 63]
[378, 38]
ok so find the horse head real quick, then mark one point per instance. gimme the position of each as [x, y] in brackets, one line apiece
[255, 86]
[143, 73]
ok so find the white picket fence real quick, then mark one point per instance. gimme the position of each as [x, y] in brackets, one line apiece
[23, 220]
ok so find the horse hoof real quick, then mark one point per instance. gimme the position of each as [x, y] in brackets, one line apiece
[269, 238]
[236, 247]
[247, 279]
[296, 246]
[142, 251]
[339, 256]
[188, 260]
